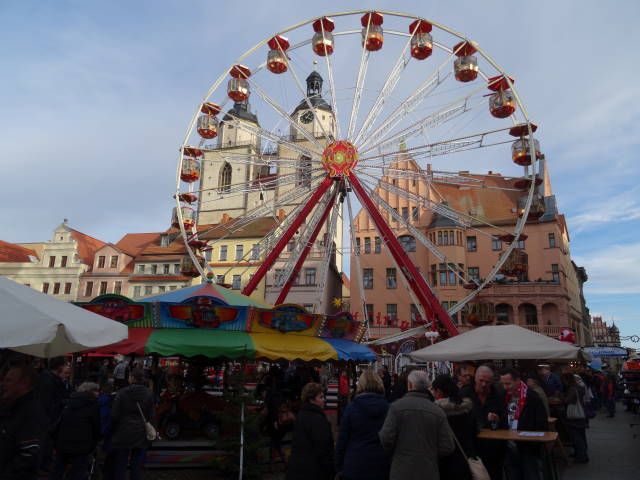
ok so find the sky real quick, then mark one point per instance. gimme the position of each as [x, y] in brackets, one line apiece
[95, 99]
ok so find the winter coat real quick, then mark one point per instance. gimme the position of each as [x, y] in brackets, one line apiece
[533, 416]
[311, 446]
[359, 453]
[52, 394]
[23, 425]
[463, 425]
[79, 429]
[128, 426]
[415, 433]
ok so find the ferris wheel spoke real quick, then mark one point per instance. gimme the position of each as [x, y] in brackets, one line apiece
[357, 94]
[409, 104]
[414, 277]
[387, 89]
[305, 244]
[283, 113]
[332, 87]
[269, 136]
[356, 258]
[329, 252]
[439, 117]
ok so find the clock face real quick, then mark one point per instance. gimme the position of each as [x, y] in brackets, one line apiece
[306, 117]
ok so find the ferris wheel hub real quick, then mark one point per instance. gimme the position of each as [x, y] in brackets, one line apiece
[339, 158]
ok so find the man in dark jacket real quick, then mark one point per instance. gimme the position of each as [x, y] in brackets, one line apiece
[525, 411]
[312, 442]
[129, 439]
[22, 425]
[52, 392]
[415, 433]
[77, 434]
[489, 411]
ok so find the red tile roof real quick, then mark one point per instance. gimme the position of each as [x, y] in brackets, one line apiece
[87, 245]
[10, 252]
[133, 243]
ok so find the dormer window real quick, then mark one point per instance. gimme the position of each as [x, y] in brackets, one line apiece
[164, 240]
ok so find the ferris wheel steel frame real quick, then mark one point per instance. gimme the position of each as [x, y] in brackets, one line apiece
[363, 139]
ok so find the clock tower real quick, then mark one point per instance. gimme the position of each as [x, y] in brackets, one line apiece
[324, 119]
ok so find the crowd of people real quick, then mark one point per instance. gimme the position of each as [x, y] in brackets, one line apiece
[388, 426]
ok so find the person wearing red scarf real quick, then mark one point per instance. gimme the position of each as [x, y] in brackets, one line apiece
[525, 411]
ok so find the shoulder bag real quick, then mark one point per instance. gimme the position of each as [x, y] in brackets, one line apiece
[477, 468]
[575, 410]
[149, 429]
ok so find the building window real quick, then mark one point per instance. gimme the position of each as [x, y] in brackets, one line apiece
[63, 261]
[291, 246]
[223, 253]
[452, 273]
[367, 278]
[56, 288]
[520, 244]
[103, 288]
[220, 279]
[67, 288]
[530, 314]
[408, 243]
[392, 281]
[137, 291]
[309, 276]
[173, 287]
[405, 213]
[472, 244]
[496, 244]
[161, 289]
[176, 268]
[88, 289]
[235, 283]
[369, 311]
[395, 217]
[377, 247]
[308, 307]
[154, 269]
[255, 252]
[239, 252]
[555, 273]
[358, 246]
[224, 182]
[473, 273]
[415, 314]
[434, 275]
[141, 268]
[304, 172]
[148, 290]
[392, 313]
[101, 261]
[114, 261]
[45, 287]
[52, 262]
[415, 215]
[367, 245]
[117, 288]
[442, 274]
[552, 240]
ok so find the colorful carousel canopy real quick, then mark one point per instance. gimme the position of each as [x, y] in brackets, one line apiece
[234, 345]
[223, 294]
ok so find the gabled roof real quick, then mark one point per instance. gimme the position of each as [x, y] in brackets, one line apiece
[87, 245]
[10, 252]
[133, 243]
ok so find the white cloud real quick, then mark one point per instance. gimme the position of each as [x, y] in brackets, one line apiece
[624, 207]
[615, 270]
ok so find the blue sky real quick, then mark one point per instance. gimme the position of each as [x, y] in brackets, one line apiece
[96, 96]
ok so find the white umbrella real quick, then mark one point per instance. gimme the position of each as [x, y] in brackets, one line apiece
[40, 325]
[498, 342]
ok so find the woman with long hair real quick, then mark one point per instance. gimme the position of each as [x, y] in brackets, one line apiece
[359, 453]
[461, 421]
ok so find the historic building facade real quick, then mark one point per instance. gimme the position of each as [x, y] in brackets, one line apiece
[545, 298]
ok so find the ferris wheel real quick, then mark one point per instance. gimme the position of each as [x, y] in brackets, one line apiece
[364, 110]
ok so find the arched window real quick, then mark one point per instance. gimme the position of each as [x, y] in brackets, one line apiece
[408, 243]
[503, 313]
[304, 172]
[529, 313]
[224, 182]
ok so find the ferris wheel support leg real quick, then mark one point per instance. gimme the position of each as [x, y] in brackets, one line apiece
[288, 235]
[414, 278]
[303, 255]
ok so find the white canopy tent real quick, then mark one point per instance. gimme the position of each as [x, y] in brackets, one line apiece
[40, 325]
[498, 342]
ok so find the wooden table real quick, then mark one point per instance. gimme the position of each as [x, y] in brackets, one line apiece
[516, 436]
